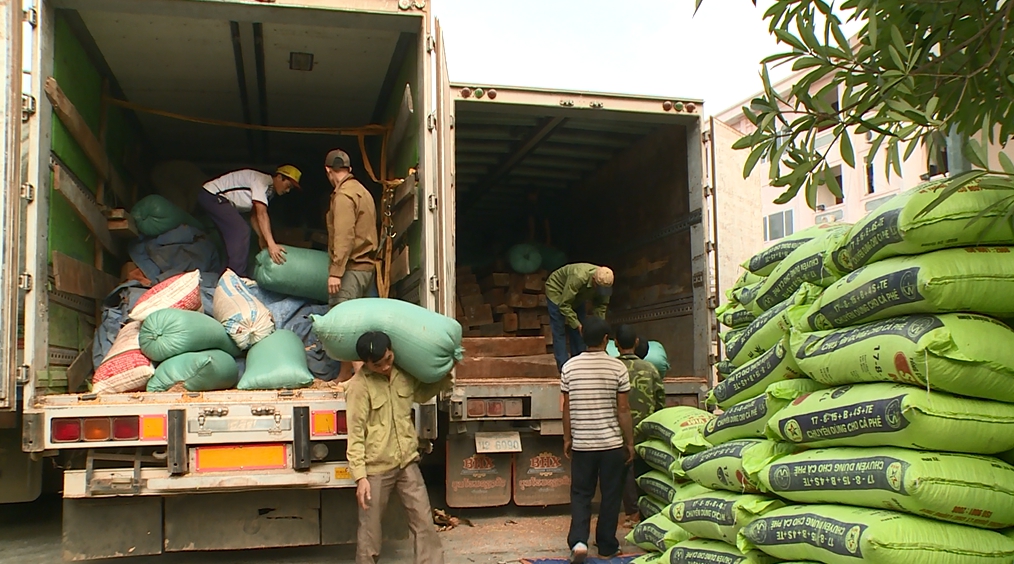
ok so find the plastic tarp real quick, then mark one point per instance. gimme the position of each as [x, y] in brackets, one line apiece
[178, 250]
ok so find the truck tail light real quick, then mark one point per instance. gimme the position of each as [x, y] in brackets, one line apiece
[476, 408]
[97, 429]
[342, 423]
[153, 427]
[494, 408]
[66, 430]
[126, 428]
[514, 407]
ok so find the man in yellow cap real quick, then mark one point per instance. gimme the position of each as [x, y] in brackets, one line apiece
[568, 289]
[246, 191]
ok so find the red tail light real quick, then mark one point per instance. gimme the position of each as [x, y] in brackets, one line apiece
[126, 428]
[342, 423]
[97, 429]
[66, 430]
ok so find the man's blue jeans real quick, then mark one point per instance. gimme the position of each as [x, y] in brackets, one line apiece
[563, 333]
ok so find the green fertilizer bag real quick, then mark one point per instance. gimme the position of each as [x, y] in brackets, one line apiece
[745, 295]
[650, 534]
[750, 380]
[870, 415]
[719, 515]
[524, 258]
[673, 424]
[979, 279]
[649, 506]
[552, 259]
[764, 262]
[303, 274]
[658, 485]
[199, 371]
[722, 467]
[425, 344]
[896, 228]
[724, 369]
[960, 488]
[734, 315]
[837, 534]
[749, 419]
[701, 551]
[959, 353]
[276, 362]
[155, 215]
[746, 279]
[657, 454]
[771, 326]
[656, 355]
[810, 262]
[171, 332]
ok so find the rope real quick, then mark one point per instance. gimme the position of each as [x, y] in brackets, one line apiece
[372, 129]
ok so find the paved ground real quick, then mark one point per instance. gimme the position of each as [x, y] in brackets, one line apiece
[30, 533]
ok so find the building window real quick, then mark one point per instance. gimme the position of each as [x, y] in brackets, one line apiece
[778, 225]
[825, 198]
[870, 187]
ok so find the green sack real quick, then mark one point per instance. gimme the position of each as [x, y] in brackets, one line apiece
[745, 295]
[155, 215]
[869, 415]
[771, 326]
[732, 335]
[552, 258]
[749, 419]
[719, 515]
[276, 362]
[960, 488]
[755, 376]
[673, 422]
[724, 368]
[674, 536]
[895, 228]
[303, 274]
[837, 534]
[701, 551]
[656, 454]
[746, 279]
[425, 344]
[764, 262]
[199, 371]
[650, 534]
[971, 279]
[734, 315]
[657, 484]
[656, 355]
[722, 467]
[810, 262]
[524, 258]
[171, 332]
[963, 354]
[649, 506]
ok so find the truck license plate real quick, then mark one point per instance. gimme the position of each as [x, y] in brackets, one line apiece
[508, 441]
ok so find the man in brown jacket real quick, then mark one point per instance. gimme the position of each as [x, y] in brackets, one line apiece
[352, 232]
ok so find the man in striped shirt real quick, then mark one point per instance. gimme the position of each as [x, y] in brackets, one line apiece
[598, 437]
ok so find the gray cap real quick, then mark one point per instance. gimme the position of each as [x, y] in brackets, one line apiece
[337, 158]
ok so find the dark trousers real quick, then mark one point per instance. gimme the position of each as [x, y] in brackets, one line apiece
[630, 491]
[607, 468]
[562, 333]
[234, 229]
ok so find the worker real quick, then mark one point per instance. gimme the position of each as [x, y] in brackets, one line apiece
[383, 448]
[568, 289]
[598, 438]
[647, 395]
[352, 232]
[246, 191]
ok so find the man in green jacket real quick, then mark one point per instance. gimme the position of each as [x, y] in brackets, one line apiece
[568, 289]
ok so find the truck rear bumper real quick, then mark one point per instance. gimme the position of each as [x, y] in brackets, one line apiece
[159, 482]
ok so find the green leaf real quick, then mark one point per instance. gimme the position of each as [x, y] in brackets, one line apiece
[899, 43]
[841, 40]
[751, 160]
[698, 6]
[1006, 163]
[806, 30]
[786, 37]
[895, 57]
[952, 185]
[1010, 77]
[896, 157]
[848, 154]
[871, 31]
[788, 195]
[975, 153]
[807, 62]
[832, 183]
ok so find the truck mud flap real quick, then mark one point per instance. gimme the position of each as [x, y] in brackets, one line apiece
[109, 528]
[476, 480]
[541, 472]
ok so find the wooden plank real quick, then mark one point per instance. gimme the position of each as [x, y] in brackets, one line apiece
[510, 322]
[547, 334]
[544, 319]
[85, 206]
[124, 228]
[479, 315]
[523, 301]
[404, 190]
[496, 280]
[529, 319]
[459, 312]
[495, 297]
[80, 278]
[79, 369]
[543, 301]
[503, 309]
[504, 347]
[405, 214]
[469, 279]
[84, 137]
[541, 366]
[517, 284]
[400, 265]
[469, 290]
[535, 282]
[494, 329]
[471, 301]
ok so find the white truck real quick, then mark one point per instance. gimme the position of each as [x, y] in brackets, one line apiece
[107, 86]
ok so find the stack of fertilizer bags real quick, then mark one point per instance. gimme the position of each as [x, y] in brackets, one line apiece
[895, 389]
[168, 339]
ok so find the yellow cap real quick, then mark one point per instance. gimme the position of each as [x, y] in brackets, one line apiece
[290, 172]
